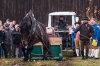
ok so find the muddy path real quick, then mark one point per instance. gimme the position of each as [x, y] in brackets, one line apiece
[64, 62]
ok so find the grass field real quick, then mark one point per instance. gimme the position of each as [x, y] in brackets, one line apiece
[18, 62]
[67, 61]
[88, 62]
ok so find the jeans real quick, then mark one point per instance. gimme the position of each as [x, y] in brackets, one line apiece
[3, 48]
[20, 53]
[1, 51]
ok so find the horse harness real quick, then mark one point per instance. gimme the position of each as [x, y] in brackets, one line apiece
[33, 29]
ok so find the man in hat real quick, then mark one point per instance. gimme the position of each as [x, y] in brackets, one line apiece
[86, 32]
[8, 40]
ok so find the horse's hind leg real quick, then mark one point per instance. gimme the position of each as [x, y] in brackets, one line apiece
[44, 54]
[47, 51]
[49, 48]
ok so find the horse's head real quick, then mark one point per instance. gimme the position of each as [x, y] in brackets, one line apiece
[25, 27]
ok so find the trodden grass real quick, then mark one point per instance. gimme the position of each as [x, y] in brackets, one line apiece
[68, 61]
[77, 61]
[18, 62]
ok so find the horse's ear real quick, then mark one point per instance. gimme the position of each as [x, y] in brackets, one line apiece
[30, 11]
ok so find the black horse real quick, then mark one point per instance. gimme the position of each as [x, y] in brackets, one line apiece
[33, 32]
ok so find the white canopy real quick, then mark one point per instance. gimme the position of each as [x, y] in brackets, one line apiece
[62, 13]
[73, 14]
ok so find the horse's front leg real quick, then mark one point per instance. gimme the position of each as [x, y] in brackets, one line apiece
[26, 50]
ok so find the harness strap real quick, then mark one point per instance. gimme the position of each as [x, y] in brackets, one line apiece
[33, 28]
[40, 30]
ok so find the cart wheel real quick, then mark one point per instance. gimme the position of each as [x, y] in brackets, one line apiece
[60, 56]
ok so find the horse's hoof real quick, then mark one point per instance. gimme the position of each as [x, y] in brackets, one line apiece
[31, 60]
[45, 58]
[25, 60]
[52, 56]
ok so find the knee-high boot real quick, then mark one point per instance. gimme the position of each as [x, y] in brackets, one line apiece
[84, 52]
[77, 52]
[96, 53]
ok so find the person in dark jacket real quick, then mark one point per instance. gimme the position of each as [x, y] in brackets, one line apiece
[61, 23]
[86, 32]
[62, 27]
[8, 40]
[2, 41]
[16, 41]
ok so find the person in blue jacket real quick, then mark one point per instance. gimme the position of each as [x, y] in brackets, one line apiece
[98, 45]
[71, 30]
[95, 50]
[98, 36]
[73, 36]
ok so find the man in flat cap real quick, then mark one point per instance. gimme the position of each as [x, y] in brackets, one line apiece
[6, 25]
[86, 32]
[8, 41]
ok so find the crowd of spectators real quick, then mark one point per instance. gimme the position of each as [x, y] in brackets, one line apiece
[10, 40]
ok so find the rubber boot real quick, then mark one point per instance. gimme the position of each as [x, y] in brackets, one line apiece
[82, 52]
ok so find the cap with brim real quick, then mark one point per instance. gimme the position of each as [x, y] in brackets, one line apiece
[6, 24]
[85, 18]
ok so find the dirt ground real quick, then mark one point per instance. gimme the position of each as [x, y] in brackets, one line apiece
[64, 62]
